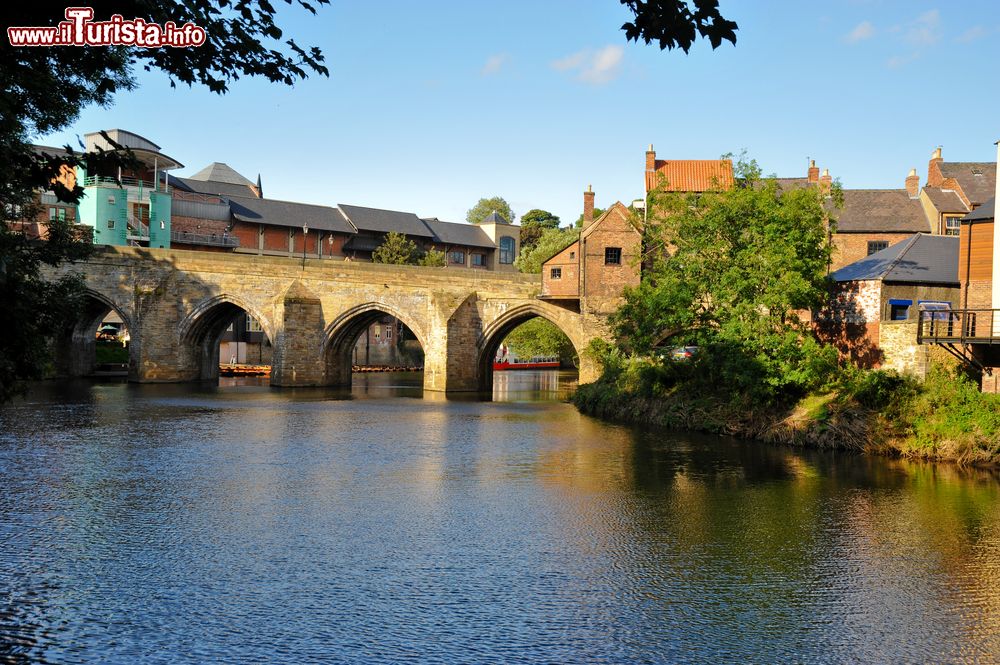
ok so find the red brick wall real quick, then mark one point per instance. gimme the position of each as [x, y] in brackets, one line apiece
[603, 284]
[182, 224]
[276, 238]
[568, 262]
[851, 247]
[247, 234]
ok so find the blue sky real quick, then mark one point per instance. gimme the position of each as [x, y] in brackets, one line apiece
[431, 105]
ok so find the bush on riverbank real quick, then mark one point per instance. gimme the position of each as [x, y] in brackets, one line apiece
[945, 418]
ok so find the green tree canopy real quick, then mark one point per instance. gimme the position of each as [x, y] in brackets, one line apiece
[549, 244]
[540, 337]
[396, 249]
[434, 259]
[579, 220]
[729, 271]
[533, 223]
[484, 207]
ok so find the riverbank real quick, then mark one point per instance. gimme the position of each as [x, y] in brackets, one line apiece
[944, 419]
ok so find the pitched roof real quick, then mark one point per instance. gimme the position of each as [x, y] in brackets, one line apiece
[384, 221]
[922, 258]
[977, 179]
[691, 175]
[220, 172]
[617, 208]
[452, 233]
[211, 187]
[985, 211]
[946, 200]
[495, 218]
[788, 184]
[289, 214]
[886, 210]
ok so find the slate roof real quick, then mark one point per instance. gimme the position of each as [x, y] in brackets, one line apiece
[495, 218]
[211, 187]
[922, 258]
[983, 212]
[289, 214]
[384, 221]
[880, 210]
[788, 184]
[978, 179]
[451, 233]
[220, 172]
[946, 200]
[691, 175]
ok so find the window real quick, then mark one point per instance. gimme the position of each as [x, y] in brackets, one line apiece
[253, 325]
[952, 225]
[52, 214]
[388, 331]
[899, 310]
[612, 256]
[506, 250]
[378, 332]
[163, 225]
[572, 255]
[555, 273]
[61, 214]
[479, 260]
[940, 310]
[456, 257]
[876, 246]
[111, 223]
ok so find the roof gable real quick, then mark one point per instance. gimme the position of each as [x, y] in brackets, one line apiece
[615, 211]
[977, 179]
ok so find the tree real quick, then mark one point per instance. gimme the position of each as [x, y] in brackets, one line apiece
[484, 207]
[44, 90]
[728, 271]
[579, 220]
[540, 337]
[676, 24]
[548, 245]
[533, 223]
[434, 259]
[396, 249]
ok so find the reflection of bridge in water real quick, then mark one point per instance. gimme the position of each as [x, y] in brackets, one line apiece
[177, 305]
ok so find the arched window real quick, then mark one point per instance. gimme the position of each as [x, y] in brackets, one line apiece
[506, 249]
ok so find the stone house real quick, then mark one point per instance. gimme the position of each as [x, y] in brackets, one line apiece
[873, 311]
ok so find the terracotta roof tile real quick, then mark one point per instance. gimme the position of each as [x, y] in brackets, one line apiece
[691, 175]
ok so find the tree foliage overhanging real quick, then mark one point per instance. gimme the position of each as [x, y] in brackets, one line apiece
[533, 223]
[485, 206]
[729, 272]
[678, 23]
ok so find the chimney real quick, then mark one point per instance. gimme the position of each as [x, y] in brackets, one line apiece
[913, 184]
[813, 171]
[650, 159]
[825, 181]
[934, 177]
[588, 207]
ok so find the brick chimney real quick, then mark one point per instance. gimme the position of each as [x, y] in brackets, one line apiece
[913, 184]
[825, 181]
[650, 159]
[934, 177]
[588, 206]
[813, 171]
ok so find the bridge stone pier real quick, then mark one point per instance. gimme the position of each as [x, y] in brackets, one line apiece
[177, 305]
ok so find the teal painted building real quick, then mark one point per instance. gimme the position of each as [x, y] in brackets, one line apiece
[128, 207]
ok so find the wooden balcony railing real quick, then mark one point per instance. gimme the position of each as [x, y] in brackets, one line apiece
[959, 326]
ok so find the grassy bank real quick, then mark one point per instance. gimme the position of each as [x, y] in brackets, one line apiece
[944, 418]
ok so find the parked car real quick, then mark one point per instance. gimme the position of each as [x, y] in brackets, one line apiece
[684, 353]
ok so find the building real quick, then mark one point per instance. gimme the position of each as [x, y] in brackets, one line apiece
[874, 308]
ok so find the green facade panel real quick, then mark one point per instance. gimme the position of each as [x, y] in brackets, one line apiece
[106, 210]
[159, 220]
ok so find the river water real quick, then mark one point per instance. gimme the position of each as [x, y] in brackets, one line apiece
[244, 524]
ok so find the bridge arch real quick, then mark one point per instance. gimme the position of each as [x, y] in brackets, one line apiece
[76, 343]
[496, 332]
[200, 332]
[341, 335]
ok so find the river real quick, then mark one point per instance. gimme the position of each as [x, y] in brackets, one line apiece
[243, 524]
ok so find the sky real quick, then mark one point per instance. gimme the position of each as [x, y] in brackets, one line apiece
[431, 105]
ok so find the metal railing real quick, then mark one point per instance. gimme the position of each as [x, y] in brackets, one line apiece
[93, 180]
[959, 326]
[214, 239]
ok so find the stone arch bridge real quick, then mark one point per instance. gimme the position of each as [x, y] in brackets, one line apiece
[177, 304]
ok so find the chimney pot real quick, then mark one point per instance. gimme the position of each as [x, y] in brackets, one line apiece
[813, 173]
[825, 182]
[913, 184]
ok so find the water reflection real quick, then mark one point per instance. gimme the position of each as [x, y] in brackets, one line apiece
[242, 523]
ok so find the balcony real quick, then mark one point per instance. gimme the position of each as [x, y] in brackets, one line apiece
[212, 240]
[959, 326]
[128, 183]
